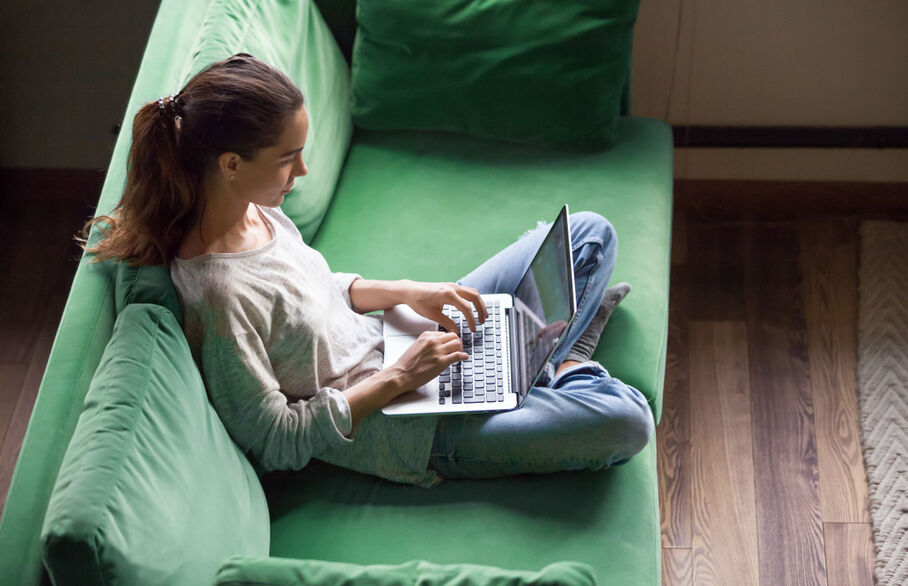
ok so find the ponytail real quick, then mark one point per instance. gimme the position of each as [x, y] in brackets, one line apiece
[236, 105]
[161, 199]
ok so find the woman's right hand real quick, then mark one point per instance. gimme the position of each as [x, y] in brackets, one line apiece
[421, 362]
[427, 358]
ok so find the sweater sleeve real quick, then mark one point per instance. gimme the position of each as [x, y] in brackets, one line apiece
[342, 282]
[245, 393]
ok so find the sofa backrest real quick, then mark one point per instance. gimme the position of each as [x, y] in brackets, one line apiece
[146, 284]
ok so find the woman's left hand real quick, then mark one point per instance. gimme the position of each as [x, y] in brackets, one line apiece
[428, 299]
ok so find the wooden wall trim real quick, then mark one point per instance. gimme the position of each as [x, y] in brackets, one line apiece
[767, 200]
[832, 137]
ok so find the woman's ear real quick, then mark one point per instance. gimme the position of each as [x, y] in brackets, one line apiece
[228, 165]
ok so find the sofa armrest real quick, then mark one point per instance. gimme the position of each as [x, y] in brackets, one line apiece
[152, 490]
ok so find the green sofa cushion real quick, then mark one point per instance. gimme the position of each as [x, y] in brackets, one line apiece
[146, 284]
[608, 520]
[152, 490]
[245, 571]
[433, 206]
[293, 37]
[539, 71]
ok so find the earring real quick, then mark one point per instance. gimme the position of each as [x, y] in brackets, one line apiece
[232, 177]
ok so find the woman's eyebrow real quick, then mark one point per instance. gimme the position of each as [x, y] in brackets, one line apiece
[288, 153]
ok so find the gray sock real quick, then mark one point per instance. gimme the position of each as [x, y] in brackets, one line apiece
[583, 348]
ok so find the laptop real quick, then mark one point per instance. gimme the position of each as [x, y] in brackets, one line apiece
[508, 353]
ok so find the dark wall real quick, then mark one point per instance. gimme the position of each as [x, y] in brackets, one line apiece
[67, 70]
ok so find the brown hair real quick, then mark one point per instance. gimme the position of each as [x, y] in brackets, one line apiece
[236, 105]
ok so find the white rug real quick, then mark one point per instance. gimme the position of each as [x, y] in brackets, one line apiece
[883, 390]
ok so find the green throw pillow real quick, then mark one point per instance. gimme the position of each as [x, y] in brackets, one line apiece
[152, 490]
[246, 571]
[537, 71]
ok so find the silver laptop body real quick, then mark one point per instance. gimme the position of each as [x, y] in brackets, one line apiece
[509, 352]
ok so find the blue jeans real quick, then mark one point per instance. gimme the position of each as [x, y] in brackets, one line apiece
[581, 419]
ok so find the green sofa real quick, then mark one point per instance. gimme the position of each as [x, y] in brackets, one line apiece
[152, 491]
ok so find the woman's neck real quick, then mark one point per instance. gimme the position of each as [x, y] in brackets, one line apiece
[227, 225]
[225, 219]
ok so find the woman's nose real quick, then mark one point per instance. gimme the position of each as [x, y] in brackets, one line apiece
[299, 168]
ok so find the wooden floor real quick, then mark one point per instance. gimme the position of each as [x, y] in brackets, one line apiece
[760, 470]
[761, 475]
[39, 213]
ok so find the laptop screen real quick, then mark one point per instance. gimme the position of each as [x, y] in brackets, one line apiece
[545, 301]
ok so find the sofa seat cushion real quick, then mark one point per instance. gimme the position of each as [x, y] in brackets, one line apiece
[152, 490]
[608, 520]
[433, 206]
[537, 71]
[247, 571]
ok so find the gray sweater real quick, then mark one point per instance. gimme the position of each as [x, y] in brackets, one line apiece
[277, 340]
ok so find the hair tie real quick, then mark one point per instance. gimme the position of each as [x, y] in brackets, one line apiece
[175, 108]
[173, 100]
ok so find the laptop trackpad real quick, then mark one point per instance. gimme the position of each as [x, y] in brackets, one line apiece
[401, 320]
[395, 346]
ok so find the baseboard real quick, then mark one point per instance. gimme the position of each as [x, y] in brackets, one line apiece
[824, 137]
[768, 200]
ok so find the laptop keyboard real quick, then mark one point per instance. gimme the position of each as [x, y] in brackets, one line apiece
[481, 378]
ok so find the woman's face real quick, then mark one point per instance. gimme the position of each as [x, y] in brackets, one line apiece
[269, 175]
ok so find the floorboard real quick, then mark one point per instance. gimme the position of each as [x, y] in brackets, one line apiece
[676, 568]
[790, 532]
[849, 554]
[12, 376]
[829, 263]
[715, 275]
[22, 277]
[724, 523]
[680, 230]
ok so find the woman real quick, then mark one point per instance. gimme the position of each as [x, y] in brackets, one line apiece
[291, 363]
